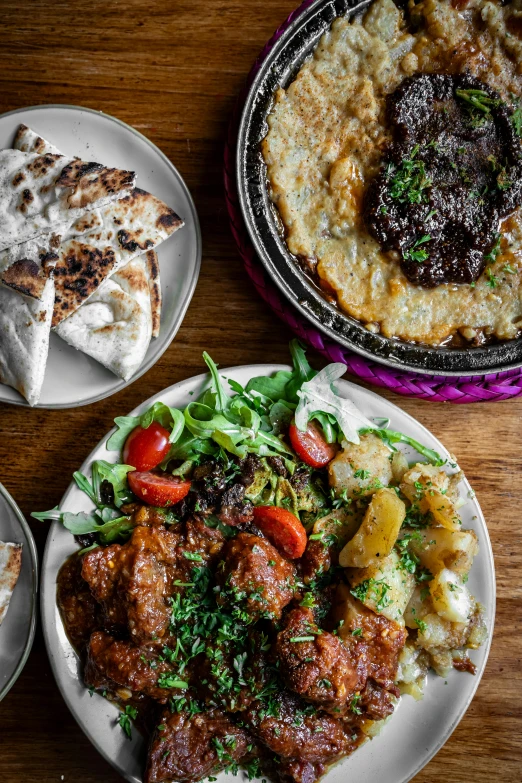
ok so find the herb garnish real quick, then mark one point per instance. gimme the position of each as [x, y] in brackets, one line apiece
[409, 180]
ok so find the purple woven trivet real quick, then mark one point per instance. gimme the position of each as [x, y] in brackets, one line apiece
[481, 388]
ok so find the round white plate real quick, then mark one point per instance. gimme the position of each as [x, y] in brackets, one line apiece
[416, 731]
[72, 378]
[17, 629]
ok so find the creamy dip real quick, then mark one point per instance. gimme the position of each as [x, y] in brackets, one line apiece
[327, 135]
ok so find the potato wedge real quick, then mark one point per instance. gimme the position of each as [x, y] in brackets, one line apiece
[384, 587]
[378, 532]
[451, 597]
[361, 469]
[442, 509]
[439, 548]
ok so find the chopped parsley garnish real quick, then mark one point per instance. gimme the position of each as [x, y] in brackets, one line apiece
[353, 704]
[169, 680]
[416, 252]
[193, 556]
[422, 626]
[357, 632]
[124, 719]
[375, 590]
[409, 180]
[302, 639]
[491, 257]
[492, 280]
[362, 474]
[308, 601]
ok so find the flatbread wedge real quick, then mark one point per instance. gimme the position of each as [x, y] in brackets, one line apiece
[85, 263]
[40, 193]
[27, 267]
[129, 227]
[10, 566]
[25, 325]
[115, 325]
[26, 140]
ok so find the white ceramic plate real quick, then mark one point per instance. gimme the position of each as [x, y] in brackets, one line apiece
[17, 629]
[72, 378]
[416, 731]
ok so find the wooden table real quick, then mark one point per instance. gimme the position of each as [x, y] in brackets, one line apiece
[173, 70]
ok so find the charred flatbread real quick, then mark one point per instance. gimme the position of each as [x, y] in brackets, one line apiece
[26, 267]
[10, 565]
[26, 140]
[25, 325]
[39, 193]
[115, 325]
[127, 228]
[102, 241]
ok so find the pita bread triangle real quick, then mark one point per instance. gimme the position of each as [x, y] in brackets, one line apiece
[39, 193]
[25, 326]
[102, 241]
[115, 325]
[26, 267]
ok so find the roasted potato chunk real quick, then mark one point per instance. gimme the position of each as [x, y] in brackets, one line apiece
[361, 469]
[450, 596]
[439, 548]
[385, 587]
[378, 532]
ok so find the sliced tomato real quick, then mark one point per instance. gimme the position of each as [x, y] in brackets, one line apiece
[310, 445]
[283, 530]
[157, 489]
[144, 449]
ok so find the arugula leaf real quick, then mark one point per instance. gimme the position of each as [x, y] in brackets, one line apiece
[85, 485]
[125, 425]
[302, 371]
[280, 416]
[273, 387]
[389, 437]
[170, 418]
[318, 396]
[327, 425]
[217, 387]
[116, 475]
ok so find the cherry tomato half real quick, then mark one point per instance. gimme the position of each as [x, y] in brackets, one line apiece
[145, 449]
[283, 530]
[157, 490]
[310, 445]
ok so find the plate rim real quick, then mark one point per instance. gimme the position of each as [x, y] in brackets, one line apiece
[285, 272]
[257, 369]
[34, 592]
[178, 321]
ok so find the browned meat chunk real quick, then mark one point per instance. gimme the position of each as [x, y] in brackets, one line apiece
[134, 581]
[130, 581]
[254, 573]
[187, 749]
[115, 665]
[78, 608]
[377, 640]
[316, 560]
[316, 665]
[377, 703]
[295, 731]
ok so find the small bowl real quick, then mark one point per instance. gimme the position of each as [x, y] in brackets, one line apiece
[264, 226]
[18, 627]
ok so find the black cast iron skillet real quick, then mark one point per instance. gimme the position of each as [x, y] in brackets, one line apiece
[263, 224]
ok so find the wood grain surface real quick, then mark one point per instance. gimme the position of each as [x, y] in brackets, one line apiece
[173, 69]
